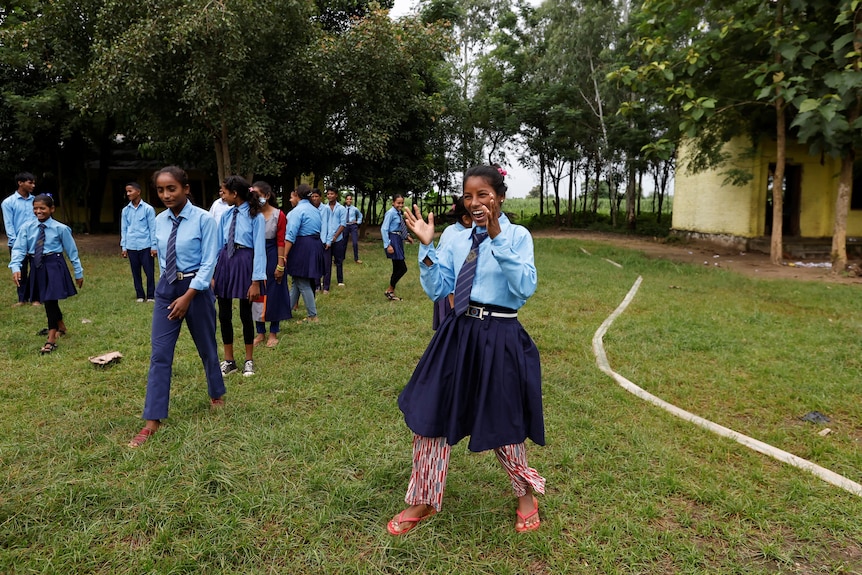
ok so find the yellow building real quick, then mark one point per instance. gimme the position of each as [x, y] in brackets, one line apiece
[705, 206]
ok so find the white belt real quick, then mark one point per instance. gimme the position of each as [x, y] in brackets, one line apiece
[480, 312]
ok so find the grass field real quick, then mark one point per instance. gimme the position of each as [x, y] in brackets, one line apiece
[310, 458]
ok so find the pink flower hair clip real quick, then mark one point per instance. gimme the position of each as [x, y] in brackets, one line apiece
[502, 171]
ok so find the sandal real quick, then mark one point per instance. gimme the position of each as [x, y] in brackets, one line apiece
[391, 296]
[48, 347]
[141, 438]
[395, 522]
[524, 528]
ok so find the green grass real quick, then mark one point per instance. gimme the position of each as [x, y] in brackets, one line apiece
[310, 458]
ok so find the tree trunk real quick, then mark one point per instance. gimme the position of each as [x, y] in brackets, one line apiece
[775, 247]
[842, 206]
[631, 217]
[541, 184]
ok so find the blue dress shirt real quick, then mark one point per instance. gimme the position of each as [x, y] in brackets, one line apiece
[391, 224]
[249, 232]
[507, 257]
[17, 211]
[303, 220]
[335, 218]
[354, 215]
[58, 239]
[138, 227]
[197, 243]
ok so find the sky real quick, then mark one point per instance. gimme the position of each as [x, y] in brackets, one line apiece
[519, 180]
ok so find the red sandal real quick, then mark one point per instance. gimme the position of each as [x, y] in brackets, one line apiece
[141, 438]
[411, 522]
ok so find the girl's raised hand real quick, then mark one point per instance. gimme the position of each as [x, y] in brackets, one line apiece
[424, 231]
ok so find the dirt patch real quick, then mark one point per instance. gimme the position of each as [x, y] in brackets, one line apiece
[753, 264]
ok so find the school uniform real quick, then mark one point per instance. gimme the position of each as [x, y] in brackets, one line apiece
[277, 302]
[234, 274]
[235, 271]
[354, 220]
[394, 231]
[50, 280]
[336, 217]
[442, 306]
[305, 261]
[17, 211]
[138, 240]
[480, 375]
[197, 247]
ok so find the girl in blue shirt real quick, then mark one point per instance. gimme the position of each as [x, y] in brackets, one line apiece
[186, 239]
[480, 376]
[394, 234]
[304, 251]
[49, 275]
[241, 269]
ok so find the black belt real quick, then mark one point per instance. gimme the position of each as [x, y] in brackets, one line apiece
[483, 311]
[240, 247]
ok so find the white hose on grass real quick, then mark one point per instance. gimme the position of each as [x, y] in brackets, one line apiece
[759, 446]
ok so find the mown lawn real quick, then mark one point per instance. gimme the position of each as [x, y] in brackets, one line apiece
[310, 458]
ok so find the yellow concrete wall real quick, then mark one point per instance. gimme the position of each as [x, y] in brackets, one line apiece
[703, 203]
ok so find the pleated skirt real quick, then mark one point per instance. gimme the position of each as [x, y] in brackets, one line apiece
[232, 276]
[305, 259]
[477, 378]
[52, 281]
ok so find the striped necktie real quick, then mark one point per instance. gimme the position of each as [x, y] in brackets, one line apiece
[464, 284]
[40, 247]
[171, 255]
[231, 234]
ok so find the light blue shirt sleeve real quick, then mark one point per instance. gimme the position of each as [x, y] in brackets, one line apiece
[58, 239]
[17, 211]
[389, 221]
[198, 243]
[258, 271]
[508, 257]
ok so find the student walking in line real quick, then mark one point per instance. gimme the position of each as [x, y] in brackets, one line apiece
[17, 211]
[394, 234]
[480, 375]
[44, 240]
[335, 244]
[304, 252]
[276, 303]
[354, 220]
[138, 241]
[187, 237]
[241, 269]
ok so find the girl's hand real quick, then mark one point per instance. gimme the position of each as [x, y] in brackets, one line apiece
[278, 275]
[390, 249]
[493, 219]
[180, 306]
[424, 231]
[253, 291]
[16, 278]
[80, 282]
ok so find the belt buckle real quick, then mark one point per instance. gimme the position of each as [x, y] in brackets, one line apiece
[180, 276]
[476, 311]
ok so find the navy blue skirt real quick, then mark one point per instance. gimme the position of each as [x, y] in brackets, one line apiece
[441, 310]
[52, 281]
[480, 378]
[232, 276]
[305, 259]
[397, 243]
[277, 306]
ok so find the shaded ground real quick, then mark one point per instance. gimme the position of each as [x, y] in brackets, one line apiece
[753, 264]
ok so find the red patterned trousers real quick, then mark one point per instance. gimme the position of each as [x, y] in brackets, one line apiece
[431, 463]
